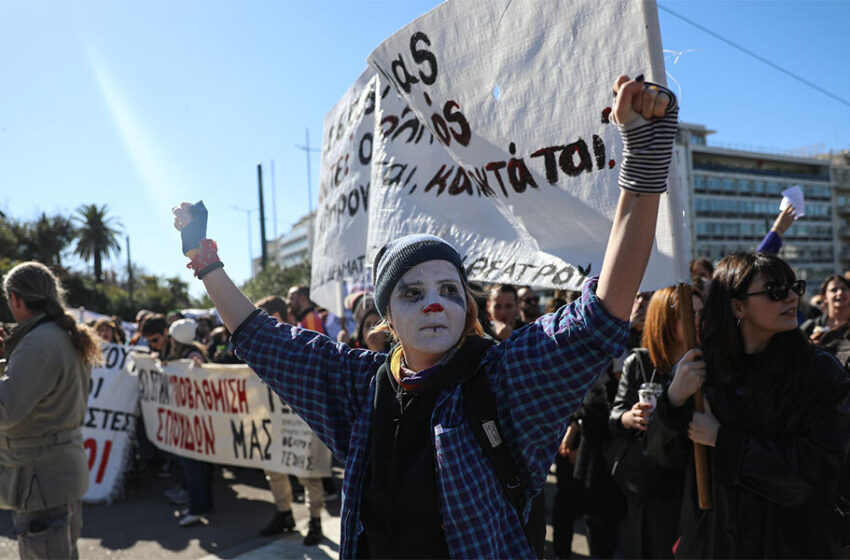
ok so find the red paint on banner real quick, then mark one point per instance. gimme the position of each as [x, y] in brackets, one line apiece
[189, 432]
[107, 447]
[221, 395]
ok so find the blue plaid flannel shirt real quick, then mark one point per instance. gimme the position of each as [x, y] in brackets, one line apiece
[538, 376]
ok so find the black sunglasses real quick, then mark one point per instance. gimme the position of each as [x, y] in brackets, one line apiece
[777, 292]
[534, 299]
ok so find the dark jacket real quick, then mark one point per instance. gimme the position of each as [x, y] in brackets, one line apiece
[775, 466]
[595, 492]
[651, 523]
[836, 341]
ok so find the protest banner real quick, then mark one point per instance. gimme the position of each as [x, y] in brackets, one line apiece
[339, 249]
[109, 424]
[518, 95]
[224, 414]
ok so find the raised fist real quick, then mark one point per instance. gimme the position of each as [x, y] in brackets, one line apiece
[191, 221]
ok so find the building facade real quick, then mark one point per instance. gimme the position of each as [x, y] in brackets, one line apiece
[292, 248]
[734, 195]
[841, 194]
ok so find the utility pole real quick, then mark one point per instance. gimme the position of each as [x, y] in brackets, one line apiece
[129, 274]
[264, 256]
[307, 149]
[274, 204]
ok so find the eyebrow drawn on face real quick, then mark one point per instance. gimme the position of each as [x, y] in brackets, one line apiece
[402, 285]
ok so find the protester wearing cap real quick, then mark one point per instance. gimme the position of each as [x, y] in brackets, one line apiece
[416, 481]
[174, 342]
[177, 342]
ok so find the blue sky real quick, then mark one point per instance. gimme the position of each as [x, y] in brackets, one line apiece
[141, 105]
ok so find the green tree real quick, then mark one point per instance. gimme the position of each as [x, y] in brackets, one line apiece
[274, 281]
[47, 238]
[158, 294]
[8, 239]
[5, 266]
[97, 236]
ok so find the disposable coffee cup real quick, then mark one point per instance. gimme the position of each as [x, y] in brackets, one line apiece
[649, 393]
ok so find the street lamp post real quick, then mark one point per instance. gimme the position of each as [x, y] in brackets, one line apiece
[307, 149]
[248, 212]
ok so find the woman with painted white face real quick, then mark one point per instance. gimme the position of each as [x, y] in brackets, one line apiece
[776, 424]
[417, 483]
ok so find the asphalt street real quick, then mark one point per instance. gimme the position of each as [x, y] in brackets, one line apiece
[143, 524]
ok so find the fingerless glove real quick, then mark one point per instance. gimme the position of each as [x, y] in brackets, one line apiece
[648, 149]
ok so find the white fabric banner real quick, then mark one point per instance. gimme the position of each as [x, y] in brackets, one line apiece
[110, 423]
[339, 250]
[517, 93]
[224, 414]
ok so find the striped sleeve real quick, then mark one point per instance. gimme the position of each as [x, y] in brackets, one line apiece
[648, 150]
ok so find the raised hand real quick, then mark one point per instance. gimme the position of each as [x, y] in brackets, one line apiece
[637, 98]
[689, 376]
[647, 116]
[784, 220]
[191, 221]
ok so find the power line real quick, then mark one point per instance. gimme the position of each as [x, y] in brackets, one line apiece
[756, 56]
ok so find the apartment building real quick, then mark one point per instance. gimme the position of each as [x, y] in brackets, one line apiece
[734, 194]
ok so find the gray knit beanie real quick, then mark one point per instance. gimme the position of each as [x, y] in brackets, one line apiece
[400, 255]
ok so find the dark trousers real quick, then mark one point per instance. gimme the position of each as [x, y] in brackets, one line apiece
[652, 528]
[199, 484]
[536, 528]
[563, 512]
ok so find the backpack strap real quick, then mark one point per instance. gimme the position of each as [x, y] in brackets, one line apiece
[480, 407]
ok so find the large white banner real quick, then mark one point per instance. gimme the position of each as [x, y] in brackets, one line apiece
[224, 414]
[517, 94]
[110, 423]
[339, 251]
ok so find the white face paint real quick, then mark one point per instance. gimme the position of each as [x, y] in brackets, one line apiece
[428, 311]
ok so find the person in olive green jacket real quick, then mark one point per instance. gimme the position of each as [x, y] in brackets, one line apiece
[44, 387]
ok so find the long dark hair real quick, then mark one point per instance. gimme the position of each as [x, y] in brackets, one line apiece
[721, 340]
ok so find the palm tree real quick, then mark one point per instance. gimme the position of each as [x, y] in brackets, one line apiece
[97, 236]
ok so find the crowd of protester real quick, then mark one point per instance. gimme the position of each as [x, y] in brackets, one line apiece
[640, 517]
[638, 510]
[646, 509]
[416, 392]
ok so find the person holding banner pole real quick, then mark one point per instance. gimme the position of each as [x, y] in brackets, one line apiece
[776, 422]
[44, 389]
[417, 482]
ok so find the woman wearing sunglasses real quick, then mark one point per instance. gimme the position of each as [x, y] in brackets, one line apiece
[830, 331]
[776, 421]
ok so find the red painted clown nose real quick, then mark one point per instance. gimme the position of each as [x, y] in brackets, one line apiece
[433, 308]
